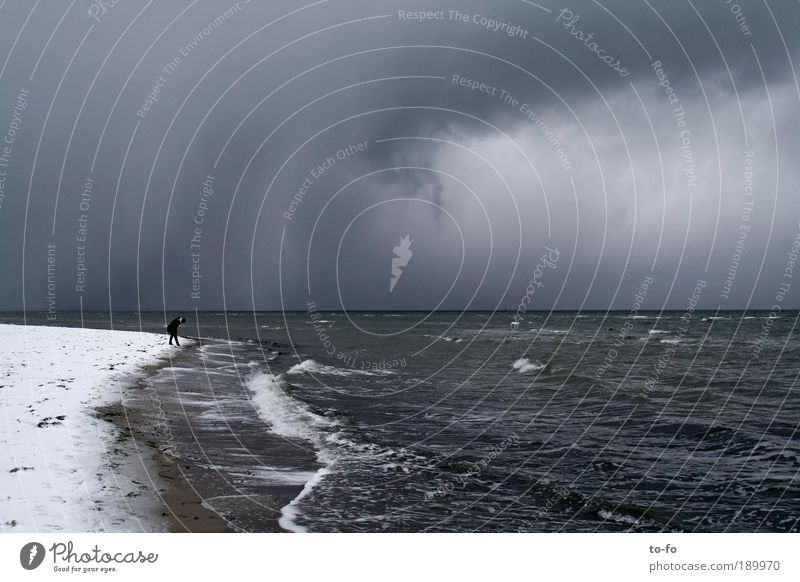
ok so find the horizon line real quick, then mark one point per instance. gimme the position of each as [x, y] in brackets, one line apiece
[222, 310]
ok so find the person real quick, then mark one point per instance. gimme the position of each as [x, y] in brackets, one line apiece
[172, 329]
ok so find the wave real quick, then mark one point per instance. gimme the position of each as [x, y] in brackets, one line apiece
[287, 416]
[524, 366]
[554, 331]
[291, 511]
[617, 517]
[290, 418]
[443, 338]
[314, 367]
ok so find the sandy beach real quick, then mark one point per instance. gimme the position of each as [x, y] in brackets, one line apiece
[223, 467]
[98, 435]
[72, 456]
[62, 467]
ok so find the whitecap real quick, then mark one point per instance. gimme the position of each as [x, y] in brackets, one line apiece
[524, 366]
[617, 517]
[314, 367]
[287, 417]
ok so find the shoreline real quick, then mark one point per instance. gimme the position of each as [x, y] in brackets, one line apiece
[177, 502]
[98, 436]
[114, 407]
[61, 467]
[198, 489]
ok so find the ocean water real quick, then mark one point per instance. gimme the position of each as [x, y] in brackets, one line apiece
[574, 422]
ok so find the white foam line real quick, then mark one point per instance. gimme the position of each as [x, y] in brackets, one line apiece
[290, 512]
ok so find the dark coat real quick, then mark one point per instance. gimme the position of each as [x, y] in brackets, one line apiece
[172, 328]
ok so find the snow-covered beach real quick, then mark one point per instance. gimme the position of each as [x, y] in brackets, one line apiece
[60, 467]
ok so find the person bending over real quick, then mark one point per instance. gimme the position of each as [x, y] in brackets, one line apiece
[172, 329]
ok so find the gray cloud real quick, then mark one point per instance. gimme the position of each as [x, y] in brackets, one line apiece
[477, 180]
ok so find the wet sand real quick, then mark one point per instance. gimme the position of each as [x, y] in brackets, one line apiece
[207, 470]
[171, 501]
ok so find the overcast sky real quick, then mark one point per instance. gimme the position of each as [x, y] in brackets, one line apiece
[220, 144]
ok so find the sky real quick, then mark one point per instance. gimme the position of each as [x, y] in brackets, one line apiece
[363, 155]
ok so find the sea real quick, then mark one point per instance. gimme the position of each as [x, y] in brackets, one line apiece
[468, 422]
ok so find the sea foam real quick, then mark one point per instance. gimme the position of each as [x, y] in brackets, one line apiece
[288, 417]
[525, 366]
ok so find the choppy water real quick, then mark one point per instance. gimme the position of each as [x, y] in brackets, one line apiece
[455, 422]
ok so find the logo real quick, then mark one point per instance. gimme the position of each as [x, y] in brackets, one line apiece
[31, 555]
[402, 257]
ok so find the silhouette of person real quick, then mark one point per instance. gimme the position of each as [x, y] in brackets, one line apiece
[172, 329]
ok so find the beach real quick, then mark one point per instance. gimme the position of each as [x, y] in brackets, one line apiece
[102, 431]
[62, 466]
[75, 457]
[573, 422]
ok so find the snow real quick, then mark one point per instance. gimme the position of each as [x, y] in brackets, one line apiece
[60, 465]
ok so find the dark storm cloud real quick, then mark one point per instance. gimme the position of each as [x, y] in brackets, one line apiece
[212, 120]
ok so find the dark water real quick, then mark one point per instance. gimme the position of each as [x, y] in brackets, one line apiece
[455, 422]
